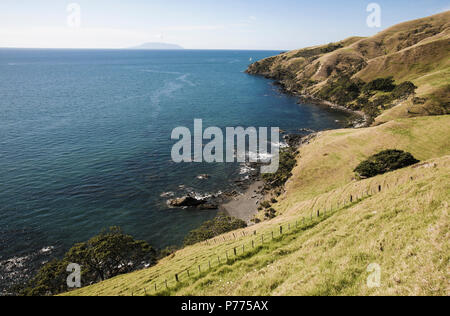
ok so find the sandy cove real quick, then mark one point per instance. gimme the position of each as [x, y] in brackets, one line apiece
[245, 205]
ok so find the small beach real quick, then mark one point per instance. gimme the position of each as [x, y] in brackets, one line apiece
[245, 205]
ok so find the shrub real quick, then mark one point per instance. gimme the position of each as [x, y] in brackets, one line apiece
[385, 161]
[380, 84]
[287, 163]
[342, 90]
[404, 89]
[265, 204]
[271, 213]
[104, 256]
[210, 229]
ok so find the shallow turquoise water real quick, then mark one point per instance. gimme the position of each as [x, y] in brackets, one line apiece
[85, 139]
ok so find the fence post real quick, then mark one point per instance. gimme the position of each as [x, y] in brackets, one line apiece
[189, 275]
[253, 244]
[199, 269]
[318, 213]
[235, 252]
[156, 287]
[243, 248]
[227, 255]
[167, 287]
[262, 238]
[281, 230]
[176, 278]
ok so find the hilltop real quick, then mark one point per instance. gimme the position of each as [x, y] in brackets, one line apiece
[416, 51]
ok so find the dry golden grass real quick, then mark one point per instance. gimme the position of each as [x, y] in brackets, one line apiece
[328, 162]
[417, 51]
[403, 228]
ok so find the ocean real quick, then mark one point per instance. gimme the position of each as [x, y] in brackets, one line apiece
[85, 142]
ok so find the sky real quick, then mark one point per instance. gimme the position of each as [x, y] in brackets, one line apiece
[198, 24]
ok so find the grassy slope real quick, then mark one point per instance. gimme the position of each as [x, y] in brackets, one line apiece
[338, 152]
[417, 51]
[403, 228]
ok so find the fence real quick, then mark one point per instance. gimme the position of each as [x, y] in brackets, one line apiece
[256, 240]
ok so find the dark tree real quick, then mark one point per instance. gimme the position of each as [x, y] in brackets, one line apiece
[385, 161]
[104, 256]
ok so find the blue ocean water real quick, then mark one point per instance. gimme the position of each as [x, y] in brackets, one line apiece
[85, 139]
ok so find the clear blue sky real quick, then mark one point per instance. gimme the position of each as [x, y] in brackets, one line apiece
[199, 24]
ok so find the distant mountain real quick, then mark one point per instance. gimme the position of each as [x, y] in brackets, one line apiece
[150, 46]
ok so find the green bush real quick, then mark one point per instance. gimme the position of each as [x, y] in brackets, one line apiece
[404, 89]
[288, 161]
[385, 161]
[265, 204]
[104, 256]
[342, 90]
[270, 213]
[210, 229]
[380, 84]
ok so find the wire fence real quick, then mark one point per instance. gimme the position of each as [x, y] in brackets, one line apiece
[250, 240]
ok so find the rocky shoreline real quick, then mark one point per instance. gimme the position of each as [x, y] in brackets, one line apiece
[243, 201]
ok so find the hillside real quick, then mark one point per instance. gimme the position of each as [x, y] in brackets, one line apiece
[416, 51]
[333, 227]
[330, 226]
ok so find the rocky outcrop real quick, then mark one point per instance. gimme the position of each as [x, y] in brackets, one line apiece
[192, 202]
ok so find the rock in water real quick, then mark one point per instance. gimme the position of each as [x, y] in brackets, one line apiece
[186, 201]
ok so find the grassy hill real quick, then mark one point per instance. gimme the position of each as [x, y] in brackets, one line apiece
[330, 227]
[416, 51]
[333, 228]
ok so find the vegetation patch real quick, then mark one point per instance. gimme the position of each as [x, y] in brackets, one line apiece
[385, 161]
[288, 161]
[210, 229]
[109, 254]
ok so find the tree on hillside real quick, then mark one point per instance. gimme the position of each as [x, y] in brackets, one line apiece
[385, 161]
[104, 256]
